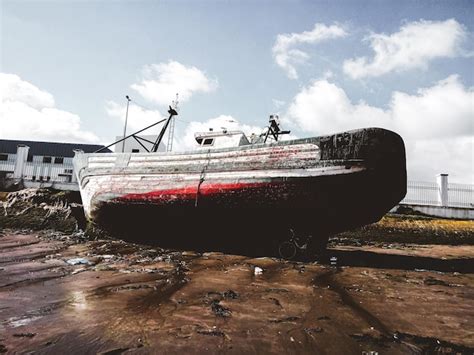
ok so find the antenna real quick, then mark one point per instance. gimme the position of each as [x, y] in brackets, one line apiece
[126, 119]
[169, 145]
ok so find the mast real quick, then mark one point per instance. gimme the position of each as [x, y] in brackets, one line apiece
[169, 145]
[172, 113]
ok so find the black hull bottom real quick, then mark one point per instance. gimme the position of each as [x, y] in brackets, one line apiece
[339, 203]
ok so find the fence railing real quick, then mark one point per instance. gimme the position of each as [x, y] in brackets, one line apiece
[461, 195]
[7, 167]
[39, 171]
[427, 193]
[421, 192]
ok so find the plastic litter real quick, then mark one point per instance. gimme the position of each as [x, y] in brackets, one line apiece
[257, 270]
[78, 261]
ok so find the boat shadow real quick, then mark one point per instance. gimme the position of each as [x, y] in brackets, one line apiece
[256, 245]
[362, 258]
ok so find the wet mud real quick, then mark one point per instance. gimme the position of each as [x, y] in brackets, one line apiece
[402, 285]
[63, 293]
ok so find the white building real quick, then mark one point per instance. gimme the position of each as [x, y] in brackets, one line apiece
[40, 161]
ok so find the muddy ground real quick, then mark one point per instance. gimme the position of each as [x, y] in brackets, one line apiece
[403, 285]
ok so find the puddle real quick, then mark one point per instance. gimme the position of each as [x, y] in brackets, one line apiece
[20, 322]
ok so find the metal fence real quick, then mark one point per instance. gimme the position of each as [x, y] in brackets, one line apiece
[427, 193]
[7, 166]
[461, 195]
[421, 193]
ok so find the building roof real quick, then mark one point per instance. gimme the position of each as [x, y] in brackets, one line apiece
[8, 146]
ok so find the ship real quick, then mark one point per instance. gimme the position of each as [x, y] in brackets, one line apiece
[237, 189]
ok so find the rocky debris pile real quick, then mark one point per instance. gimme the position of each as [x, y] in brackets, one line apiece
[418, 344]
[39, 209]
[117, 255]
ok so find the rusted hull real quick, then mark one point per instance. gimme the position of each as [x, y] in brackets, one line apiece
[322, 185]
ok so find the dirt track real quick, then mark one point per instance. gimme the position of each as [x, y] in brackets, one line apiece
[132, 298]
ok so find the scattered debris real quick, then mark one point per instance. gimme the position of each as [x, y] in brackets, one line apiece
[77, 271]
[213, 332]
[132, 287]
[106, 256]
[230, 294]
[286, 319]
[257, 271]
[78, 261]
[115, 351]
[423, 345]
[313, 330]
[430, 281]
[220, 310]
[24, 335]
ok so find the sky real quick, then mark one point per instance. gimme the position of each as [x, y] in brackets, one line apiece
[323, 66]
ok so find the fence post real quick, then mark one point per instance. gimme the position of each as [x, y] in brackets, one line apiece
[76, 152]
[442, 181]
[20, 162]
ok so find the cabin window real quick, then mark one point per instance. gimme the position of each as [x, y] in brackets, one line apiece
[208, 141]
[47, 159]
[135, 150]
[58, 160]
[29, 157]
[3, 157]
[199, 140]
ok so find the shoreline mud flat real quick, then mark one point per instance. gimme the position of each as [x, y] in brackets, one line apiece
[61, 293]
[403, 285]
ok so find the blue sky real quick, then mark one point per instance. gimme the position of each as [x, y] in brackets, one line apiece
[87, 54]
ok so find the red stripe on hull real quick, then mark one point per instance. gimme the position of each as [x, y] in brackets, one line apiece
[190, 192]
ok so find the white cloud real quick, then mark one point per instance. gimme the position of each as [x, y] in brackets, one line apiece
[187, 142]
[287, 57]
[138, 117]
[324, 107]
[29, 113]
[414, 46]
[443, 110]
[160, 82]
[454, 155]
[437, 123]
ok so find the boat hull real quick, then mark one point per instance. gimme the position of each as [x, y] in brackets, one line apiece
[320, 185]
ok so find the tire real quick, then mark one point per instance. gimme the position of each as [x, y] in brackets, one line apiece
[287, 250]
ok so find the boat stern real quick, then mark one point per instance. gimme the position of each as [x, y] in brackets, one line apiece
[369, 196]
